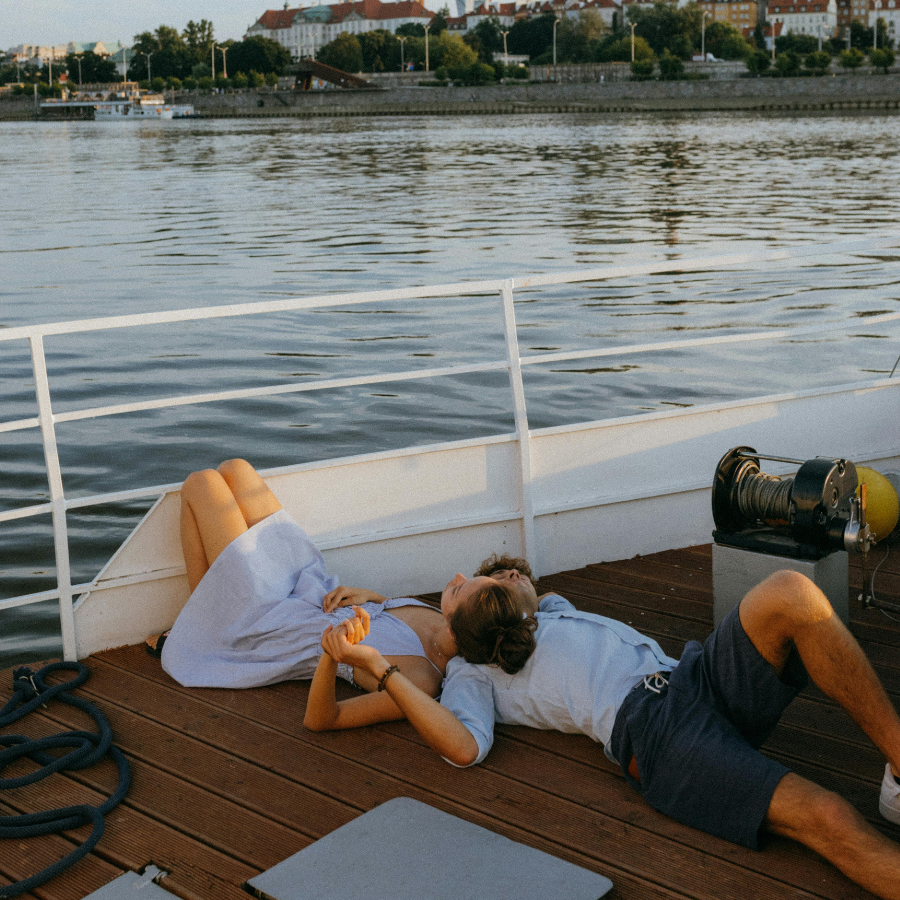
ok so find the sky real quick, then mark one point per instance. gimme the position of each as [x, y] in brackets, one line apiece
[61, 21]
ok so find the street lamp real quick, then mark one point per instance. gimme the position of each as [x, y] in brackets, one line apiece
[224, 50]
[402, 60]
[505, 54]
[213, 60]
[148, 55]
[875, 26]
[703, 35]
[555, 23]
[426, 27]
[79, 70]
[632, 24]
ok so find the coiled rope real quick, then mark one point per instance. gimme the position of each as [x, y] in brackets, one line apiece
[87, 748]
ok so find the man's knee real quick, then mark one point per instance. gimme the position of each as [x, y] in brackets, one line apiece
[790, 596]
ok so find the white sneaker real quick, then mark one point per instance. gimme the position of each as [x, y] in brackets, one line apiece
[889, 802]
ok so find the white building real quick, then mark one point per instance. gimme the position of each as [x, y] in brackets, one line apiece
[815, 17]
[302, 31]
[39, 53]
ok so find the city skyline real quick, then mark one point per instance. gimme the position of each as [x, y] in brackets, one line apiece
[61, 21]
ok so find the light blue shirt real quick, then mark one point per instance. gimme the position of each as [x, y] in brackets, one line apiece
[575, 681]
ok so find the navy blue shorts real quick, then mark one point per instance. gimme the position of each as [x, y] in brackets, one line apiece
[696, 743]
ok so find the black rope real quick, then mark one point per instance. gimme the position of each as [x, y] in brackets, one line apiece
[85, 749]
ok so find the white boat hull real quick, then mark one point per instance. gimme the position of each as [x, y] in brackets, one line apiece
[406, 522]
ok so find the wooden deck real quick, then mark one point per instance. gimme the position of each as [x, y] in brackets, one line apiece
[229, 783]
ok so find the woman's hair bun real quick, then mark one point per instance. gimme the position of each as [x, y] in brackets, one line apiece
[490, 628]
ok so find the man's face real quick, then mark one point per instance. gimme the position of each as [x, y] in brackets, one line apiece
[460, 589]
[521, 587]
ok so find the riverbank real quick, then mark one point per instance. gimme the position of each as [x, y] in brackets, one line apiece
[758, 94]
[837, 92]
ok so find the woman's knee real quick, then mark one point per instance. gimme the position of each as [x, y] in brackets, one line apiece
[235, 469]
[201, 485]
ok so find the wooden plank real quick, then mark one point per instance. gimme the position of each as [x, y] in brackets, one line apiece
[278, 708]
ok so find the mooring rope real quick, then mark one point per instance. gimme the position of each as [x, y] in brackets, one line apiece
[87, 748]
[765, 497]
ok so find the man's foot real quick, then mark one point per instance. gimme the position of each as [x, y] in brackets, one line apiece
[154, 646]
[889, 802]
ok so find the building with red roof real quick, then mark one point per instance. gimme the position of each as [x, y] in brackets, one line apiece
[304, 29]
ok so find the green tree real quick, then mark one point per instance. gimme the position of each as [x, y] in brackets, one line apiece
[758, 62]
[801, 44]
[852, 58]
[860, 36]
[439, 21]
[168, 54]
[818, 62]
[787, 64]
[491, 40]
[883, 59]
[531, 37]
[642, 69]
[666, 27]
[93, 68]
[198, 39]
[724, 41]
[620, 50]
[411, 29]
[344, 53]
[260, 54]
[671, 68]
[451, 51]
[379, 49]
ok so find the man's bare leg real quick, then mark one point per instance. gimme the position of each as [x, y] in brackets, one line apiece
[828, 824]
[787, 610]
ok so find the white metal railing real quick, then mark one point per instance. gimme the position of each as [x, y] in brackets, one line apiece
[46, 419]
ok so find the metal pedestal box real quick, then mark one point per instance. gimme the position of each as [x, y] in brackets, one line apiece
[736, 571]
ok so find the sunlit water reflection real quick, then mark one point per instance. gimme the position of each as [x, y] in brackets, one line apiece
[109, 218]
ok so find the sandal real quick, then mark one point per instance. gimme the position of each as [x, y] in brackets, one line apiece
[155, 643]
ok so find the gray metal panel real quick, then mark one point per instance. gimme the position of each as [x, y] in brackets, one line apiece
[132, 886]
[406, 850]
[735, 571]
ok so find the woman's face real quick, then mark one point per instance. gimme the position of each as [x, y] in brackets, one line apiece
[459, 589]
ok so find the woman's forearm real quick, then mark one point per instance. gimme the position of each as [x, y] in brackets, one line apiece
[442, 731]
[321, 707]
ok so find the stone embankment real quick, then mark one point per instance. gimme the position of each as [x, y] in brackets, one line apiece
[869, 92]
[837, 92]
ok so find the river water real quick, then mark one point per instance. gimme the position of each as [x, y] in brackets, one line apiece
[108, 218]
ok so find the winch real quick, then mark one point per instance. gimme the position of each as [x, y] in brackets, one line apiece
[807, 522]
[808, 516]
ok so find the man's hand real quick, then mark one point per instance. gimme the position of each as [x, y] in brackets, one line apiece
[349, 596]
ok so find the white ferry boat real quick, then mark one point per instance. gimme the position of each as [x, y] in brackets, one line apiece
[126, 104]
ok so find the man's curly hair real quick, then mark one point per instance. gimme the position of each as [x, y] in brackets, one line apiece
[498, 563]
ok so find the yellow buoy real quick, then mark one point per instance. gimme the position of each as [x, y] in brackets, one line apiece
[882, 505]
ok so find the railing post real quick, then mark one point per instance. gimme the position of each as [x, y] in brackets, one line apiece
[57, 497]
[523, 436]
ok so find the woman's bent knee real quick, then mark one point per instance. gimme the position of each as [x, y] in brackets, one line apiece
[201, 483]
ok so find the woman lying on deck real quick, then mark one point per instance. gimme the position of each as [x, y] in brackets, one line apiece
[261, 599]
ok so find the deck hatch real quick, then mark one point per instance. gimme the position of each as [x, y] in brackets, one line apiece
[407, 850]
[131, 886]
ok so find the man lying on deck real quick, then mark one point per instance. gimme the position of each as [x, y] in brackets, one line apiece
[686, 733]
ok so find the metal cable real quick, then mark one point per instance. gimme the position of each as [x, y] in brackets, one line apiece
[764, 497]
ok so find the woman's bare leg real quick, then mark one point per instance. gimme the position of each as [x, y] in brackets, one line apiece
[252, 494]
[210, 520]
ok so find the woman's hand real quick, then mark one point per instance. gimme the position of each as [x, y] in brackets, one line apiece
[349, 596]
[342, 642]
